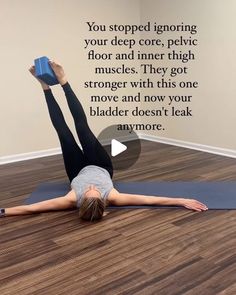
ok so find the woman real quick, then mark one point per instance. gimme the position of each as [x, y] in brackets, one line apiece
[90, 169]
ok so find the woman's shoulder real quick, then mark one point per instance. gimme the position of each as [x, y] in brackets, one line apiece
[71, 195]
[112, 195]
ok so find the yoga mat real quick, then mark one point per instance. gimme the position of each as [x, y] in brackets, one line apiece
[216, 195]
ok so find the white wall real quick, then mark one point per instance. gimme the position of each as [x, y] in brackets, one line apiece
[29, 29]
[214, 104]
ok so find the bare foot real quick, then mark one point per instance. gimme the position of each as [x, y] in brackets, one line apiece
[43, 84]
[59, 72]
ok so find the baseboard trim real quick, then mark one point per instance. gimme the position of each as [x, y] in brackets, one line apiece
[191, 145]
[29, 156]
[46, 153]
[195, 146]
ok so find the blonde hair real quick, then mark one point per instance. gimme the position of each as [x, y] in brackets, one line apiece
[91, 208]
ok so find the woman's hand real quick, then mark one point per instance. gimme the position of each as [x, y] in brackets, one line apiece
[193, 204]
[43, 84]
[59, 72]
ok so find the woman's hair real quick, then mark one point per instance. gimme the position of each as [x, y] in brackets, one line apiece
[91, 208]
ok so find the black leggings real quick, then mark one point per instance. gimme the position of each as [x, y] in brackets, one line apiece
[92, 152]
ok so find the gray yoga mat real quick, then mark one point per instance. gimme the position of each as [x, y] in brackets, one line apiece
[216, 195]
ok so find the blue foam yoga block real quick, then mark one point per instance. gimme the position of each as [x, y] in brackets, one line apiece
[44, 71]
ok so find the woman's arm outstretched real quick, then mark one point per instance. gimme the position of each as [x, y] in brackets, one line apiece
[61, 203]
[122, 199]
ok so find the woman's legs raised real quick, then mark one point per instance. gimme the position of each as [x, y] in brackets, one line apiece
[74, 159]
[93, 150]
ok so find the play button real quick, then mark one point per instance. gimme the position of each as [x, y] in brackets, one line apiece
[117, 147]
[123, 146]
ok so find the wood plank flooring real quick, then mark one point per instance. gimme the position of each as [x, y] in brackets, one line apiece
[131, 251]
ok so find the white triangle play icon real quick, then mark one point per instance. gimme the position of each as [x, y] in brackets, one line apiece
[117, 147]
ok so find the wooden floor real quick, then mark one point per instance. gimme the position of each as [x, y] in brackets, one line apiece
[139, 251]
